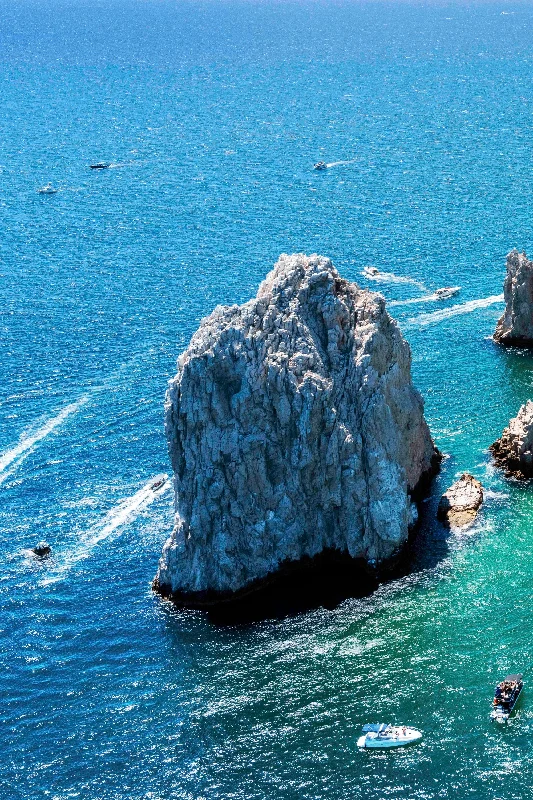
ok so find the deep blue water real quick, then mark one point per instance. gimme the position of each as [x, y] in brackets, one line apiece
[213, 114]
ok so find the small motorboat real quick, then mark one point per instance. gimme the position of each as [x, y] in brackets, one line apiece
[100, 165]
[42, 549]
[370, 272]
[506, 697]
[382, 735]
[446, 292]
[48, 189]
[159, 481]
[320, 165]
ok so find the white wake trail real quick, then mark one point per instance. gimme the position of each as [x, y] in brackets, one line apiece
[29, 439]
[118, 517]
[427, 298]
[390, 277]
[454, 311]
[339, 163]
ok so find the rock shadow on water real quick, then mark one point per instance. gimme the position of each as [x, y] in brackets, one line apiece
[325, 581]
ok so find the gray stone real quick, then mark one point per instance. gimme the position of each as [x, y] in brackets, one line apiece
[293, 429]
[515, 327]
[460, 503]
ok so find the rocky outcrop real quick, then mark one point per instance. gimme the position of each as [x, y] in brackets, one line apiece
[513, 452]
[294, 430]
[515, 327]
[460, 503]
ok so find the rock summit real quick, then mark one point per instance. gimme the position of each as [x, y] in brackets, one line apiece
[294, 429]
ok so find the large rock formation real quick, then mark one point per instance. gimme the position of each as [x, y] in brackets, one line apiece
[293, 429]
[515, 327]
[460, 503]
[513, 452]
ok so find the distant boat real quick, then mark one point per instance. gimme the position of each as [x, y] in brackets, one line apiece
[320, 165]
[48, 189]
[100, 165]
[158, 481]
[506, 697]
[446, 292]
[385, 736]
[370, 272]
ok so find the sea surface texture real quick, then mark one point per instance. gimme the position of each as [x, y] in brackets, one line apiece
[212, 115]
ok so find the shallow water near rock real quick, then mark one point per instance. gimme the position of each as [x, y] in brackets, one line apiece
[212, 117]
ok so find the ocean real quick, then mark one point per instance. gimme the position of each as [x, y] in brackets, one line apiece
[212, 115]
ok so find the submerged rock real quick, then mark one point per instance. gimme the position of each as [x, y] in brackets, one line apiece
[460, 503]
[513, 452]
[515, 326]
[42, 549]
[294, 430]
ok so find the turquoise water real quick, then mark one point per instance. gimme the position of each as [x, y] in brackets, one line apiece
[213, 115]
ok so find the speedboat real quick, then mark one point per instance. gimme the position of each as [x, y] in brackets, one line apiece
[382, 735]
[446, 292]
[100, 165]
[48, 189]
[320, 165]
[506, 697]
[370, 271]
[158, 481]
[42, 549]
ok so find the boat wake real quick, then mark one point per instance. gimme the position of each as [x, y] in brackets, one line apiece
[453, 311]
[340, 163]
[427, 298]
[390, 277]
[114, 520]
[13, 457]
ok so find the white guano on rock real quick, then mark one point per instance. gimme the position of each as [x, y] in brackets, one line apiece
[515, 326]
[293, 429]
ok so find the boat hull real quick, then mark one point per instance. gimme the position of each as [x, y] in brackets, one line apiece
[380, 743]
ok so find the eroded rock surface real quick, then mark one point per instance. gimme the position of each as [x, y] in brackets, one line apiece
[460, 503]
[513, 452]
[515, 327]
[293, 429]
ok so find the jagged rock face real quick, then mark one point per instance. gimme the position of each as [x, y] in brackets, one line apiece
[515, 327]
[293, 428]
[460, 503]
[514, 450]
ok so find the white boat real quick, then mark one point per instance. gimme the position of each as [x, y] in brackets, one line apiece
[320, 165]
[48, 189]
[446, 292]
[370, 271]
[159, 481]
[381, 735]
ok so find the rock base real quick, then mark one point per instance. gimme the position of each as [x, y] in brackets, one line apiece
[323, 581]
